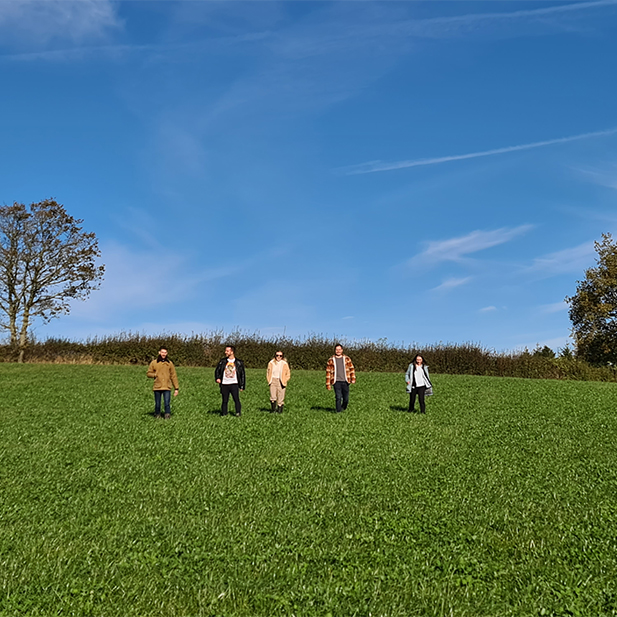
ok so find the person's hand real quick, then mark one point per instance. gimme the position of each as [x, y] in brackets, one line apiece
[218, 381]
[329, 387]
[176, 392]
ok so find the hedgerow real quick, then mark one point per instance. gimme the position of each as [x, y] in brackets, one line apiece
[310, 353]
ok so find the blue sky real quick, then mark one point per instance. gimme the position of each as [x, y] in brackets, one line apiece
[416, 171]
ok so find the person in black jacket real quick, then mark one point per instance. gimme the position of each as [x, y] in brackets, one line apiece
[230, 376]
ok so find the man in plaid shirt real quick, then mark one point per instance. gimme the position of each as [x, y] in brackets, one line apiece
[340, 373]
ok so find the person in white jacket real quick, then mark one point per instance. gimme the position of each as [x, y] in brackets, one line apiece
[418, 383]
[278, 375]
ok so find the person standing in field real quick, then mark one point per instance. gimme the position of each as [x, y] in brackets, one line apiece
[230, 376]
[163, 371]
[278, 375]
[340, 373]
[418, 383]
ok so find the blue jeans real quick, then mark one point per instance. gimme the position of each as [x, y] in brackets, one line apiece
[166, 394]
[341, 393]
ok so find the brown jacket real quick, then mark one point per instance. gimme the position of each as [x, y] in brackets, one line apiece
[350, 372]
[285, 372]
[164, 375]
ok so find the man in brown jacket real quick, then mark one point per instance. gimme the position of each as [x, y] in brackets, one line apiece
[340, 373]
[163, 371]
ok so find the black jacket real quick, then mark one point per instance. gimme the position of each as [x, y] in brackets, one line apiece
[240, 374]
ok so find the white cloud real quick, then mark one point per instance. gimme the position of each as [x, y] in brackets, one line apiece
[606, 176]
[451, 283]
[40, 22]
[572, 260]
[488, 309]
[143, 280]
[375, 166]
[456, 249]
[555, 307]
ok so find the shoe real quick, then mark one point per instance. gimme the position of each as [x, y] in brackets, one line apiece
[273, 406]
[167, 416]
[157, 416]
[223, 414]
[411, 411]
[279, 409]
[237, 414]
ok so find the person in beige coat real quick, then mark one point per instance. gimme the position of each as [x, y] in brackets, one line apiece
[278, 375]
[163, 371]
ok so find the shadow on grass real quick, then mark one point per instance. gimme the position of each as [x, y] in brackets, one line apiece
[398, 408]
[321, 408]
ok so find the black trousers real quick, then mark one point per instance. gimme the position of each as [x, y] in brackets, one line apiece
[234, 390]
[420, 390]
[341, 393]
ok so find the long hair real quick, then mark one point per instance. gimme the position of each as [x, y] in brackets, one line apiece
[419, 355]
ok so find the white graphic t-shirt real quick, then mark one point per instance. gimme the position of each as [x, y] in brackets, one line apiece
[229, 376]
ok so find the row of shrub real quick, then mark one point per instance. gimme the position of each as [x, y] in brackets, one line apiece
[311, 352]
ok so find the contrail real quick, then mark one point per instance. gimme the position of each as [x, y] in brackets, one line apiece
[374, 166]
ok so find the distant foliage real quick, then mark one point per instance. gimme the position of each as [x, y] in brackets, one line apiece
[312, 352]
[46, 261]
[593, 308]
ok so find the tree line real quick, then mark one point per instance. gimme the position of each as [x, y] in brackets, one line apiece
[47, 260]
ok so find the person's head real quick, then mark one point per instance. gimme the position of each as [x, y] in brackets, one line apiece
[162, 354]
[278, 356]
[338, 350]
[230, 351]
[418, 360]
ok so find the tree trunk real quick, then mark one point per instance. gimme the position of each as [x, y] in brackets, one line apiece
[23, 336]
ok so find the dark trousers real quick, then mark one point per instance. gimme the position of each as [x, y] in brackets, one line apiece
[234, 390]
[341, 393]
[166, 394]
[420, 390]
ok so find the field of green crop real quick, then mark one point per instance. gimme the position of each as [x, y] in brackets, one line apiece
[501, 500]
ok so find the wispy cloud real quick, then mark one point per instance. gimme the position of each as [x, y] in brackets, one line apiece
[573, 260]
[602, 176]
[456, 249]
[451, 283]
[488, 309]
[375, 166]
[40, 22]
[555, 307]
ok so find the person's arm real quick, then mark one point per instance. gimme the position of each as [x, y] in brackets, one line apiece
[174, 378]
[352, 371]
[217, 373]
[286, 373]
[408, 374]
[151, 370]
[241, 374]
[329, 373]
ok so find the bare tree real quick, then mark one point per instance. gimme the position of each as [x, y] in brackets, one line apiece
[46, 260]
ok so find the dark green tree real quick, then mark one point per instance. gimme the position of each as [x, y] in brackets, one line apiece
[46, 260]
[593, 309]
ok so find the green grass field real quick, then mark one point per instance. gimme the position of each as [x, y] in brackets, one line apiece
[501, 500]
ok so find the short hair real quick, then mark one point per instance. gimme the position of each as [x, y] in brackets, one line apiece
[163, 347]
[338, 345]
[232, 347]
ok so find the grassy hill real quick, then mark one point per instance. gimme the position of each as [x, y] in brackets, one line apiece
[501, 500]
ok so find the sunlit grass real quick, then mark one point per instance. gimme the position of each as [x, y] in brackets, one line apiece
[501, 500]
